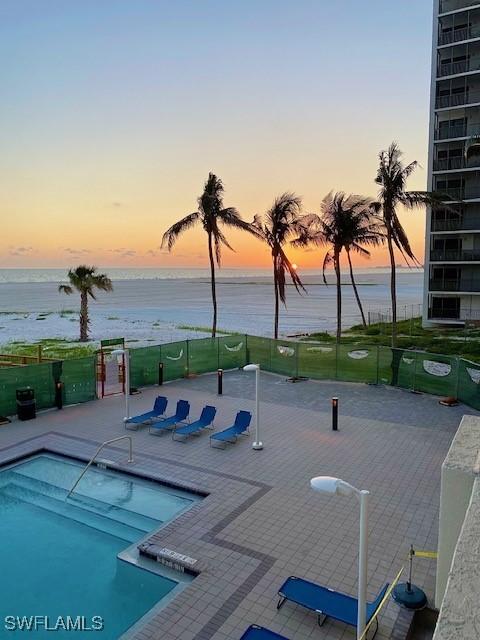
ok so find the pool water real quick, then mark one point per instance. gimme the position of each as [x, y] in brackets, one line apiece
[58, 557]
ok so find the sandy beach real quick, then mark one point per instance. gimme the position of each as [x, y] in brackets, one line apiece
[151, 306]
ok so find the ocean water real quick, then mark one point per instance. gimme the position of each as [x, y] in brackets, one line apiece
[154, 273]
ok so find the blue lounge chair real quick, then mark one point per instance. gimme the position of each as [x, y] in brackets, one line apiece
[181, 415]
[156, 413]
[239, 427]
[205, 421]
[254, 632]
[326, 602]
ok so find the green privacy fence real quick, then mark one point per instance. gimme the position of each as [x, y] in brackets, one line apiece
[77, 376]
[417, 371]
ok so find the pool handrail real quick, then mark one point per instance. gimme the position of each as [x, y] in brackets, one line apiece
[92, 459]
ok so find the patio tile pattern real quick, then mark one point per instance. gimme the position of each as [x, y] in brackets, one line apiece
[260, 521]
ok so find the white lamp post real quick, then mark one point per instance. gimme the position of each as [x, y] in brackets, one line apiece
[126, 361]
[257, 445]
[329, 485]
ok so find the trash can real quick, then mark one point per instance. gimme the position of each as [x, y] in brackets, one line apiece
[26, 408]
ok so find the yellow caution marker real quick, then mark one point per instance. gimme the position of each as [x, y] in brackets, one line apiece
[382, 604]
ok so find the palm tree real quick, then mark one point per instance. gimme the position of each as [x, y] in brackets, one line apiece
[85, 280]
[346, 222]
[392, 176]
[210, 212]
[277, 227]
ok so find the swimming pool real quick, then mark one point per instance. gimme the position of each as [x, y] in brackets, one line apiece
[58, 557]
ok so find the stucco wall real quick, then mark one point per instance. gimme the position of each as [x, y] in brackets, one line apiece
[458, 568]
[459, 617]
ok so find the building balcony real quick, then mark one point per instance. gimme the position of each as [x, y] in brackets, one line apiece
[455, 224]
[455, 68]
[450, 164]
[457, 99]
[454, 255]
[447, 132]
[467, 220]
[454, 5]
[465, 285]
[459, 35]
[458, 194]
[443, 314]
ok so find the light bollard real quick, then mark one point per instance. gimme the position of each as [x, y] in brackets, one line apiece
[219, 381]
[334, 414]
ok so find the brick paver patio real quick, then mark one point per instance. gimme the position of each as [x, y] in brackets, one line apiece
[261, 522]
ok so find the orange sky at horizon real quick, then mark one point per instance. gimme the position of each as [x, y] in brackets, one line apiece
[116, 236]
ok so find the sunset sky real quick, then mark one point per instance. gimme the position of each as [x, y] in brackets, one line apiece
[113, 112]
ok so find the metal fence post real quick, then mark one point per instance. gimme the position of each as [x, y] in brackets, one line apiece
[458, 381]
[415, 372]
[187, 355]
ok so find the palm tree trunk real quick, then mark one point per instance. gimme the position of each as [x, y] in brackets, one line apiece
[355, 290]
[83, 316]
[275, 284]
[336, 261]
[212, 281]
[393, 288]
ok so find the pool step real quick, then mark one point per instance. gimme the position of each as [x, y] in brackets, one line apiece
[73, 512]
[107, 486]
[114, 512]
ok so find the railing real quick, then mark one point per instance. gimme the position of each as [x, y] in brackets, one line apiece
[457, 255]
[453, 68]
[463, 285]
[405, 312]
[452, 224]
[457, 99]
[458, 35]
[452, 131]
[450, 164]
[92, 459]
[453, 5]
[443, 314]
[459, 193]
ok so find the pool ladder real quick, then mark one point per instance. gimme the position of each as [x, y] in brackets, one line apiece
[92, 459]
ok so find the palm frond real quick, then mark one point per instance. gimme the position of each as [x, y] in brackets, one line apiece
[172, 234]
[327, 260]
[65, 288]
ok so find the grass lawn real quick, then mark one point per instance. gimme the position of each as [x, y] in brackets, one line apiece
[411, 335]
[51, 348]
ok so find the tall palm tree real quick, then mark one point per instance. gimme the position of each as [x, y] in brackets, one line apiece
[392, 176]
[210, 213]
[85, 280]
[278, 226]
[346, 223]
[362, 228]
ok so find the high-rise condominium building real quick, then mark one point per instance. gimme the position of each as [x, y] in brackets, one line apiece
[452, 248]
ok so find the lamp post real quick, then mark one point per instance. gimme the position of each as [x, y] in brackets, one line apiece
[331, 486]
[126, 362]
[257, 445]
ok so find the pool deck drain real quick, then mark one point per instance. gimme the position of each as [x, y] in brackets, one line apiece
[259, 522]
